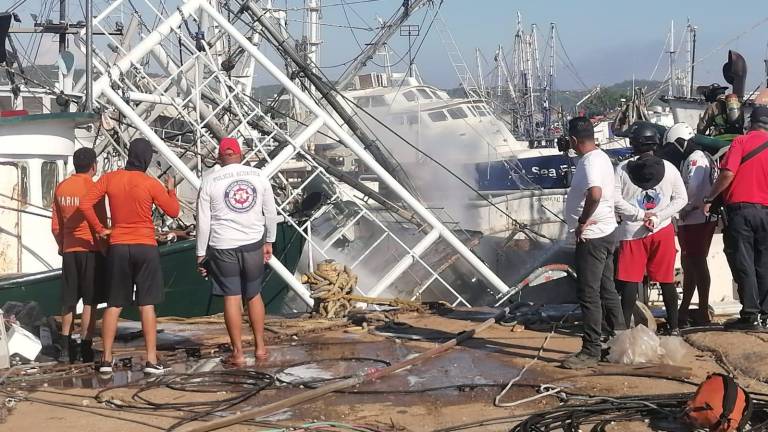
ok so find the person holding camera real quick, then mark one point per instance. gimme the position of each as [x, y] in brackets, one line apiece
[590, 215]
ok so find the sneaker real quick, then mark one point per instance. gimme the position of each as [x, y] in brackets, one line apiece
[74, 351]
[674, 332]
[86, 351]
[103, 367]
[155, 368]
[743, 324]
[580, 361]
[763, 320]
[65, 354]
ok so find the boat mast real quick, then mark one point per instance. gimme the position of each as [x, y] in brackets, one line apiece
[531, 54]
[550, 80]
[480, 79]
[672, 59]
[88, 54]
[385, 33]
[692, 58]
[312, 31]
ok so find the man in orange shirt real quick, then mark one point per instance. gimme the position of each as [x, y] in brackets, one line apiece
[134, 259]
[83, 264]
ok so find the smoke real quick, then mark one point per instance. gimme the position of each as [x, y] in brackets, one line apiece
[434, 156]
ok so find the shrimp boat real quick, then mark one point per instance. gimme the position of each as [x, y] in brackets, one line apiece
[397, 244]
[29, 262]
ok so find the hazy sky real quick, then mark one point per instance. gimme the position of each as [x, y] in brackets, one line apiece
[608, 41]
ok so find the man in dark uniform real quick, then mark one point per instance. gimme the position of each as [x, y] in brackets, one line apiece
[723, 115]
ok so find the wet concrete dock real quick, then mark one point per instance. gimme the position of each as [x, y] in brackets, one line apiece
[455, 388]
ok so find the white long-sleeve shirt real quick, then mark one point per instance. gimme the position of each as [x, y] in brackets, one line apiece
[665, 200]
[697, 176]
[235, 206]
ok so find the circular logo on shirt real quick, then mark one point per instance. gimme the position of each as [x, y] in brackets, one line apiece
[240, 196]
[649, 200]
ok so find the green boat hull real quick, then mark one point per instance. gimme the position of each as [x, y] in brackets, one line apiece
[186, 293]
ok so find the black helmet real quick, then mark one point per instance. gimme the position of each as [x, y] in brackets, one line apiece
[644, 136]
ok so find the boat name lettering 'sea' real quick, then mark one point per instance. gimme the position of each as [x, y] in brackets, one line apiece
[550, 172]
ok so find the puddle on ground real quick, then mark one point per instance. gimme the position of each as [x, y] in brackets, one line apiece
[322, 358]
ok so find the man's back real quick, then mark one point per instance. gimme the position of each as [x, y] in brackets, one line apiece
[750, 184]
[68, 223]
[238, 203]
[131, 196]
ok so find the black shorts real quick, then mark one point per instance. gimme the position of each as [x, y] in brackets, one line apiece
[83, 276]
[238, 271]
[139, 265]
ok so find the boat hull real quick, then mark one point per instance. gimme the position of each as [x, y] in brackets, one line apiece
[186, 293]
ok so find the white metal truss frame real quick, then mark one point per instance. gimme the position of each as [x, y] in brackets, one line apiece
[130, 64]
[457, 58]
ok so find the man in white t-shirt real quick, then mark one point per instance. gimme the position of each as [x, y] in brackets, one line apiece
[590, 216]
[694, 228]
[236, 226]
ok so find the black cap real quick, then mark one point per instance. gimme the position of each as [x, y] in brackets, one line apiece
[759, 115]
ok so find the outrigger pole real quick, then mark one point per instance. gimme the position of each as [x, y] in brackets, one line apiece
[103, 87]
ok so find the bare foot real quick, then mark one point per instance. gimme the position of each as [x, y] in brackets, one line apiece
[261, 353]
[235, 359]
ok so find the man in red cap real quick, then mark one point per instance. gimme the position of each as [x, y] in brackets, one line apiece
[236, 226]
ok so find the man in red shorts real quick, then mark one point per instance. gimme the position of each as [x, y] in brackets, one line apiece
[694, 228]
[649, 192]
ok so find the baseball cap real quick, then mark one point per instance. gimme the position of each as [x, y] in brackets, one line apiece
[759, 115]
[229, 144]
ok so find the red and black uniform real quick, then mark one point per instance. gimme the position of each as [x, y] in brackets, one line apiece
[83, 263]
[133, 255]
[746, 234]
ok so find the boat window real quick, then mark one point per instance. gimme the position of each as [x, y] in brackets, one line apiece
[424, 94]
[472, 110]
[336, 161]
[34, 104]
[49, 177]
[6, 103]
[23, 192]
[412, 119]
[378, 101]
[482, 111]
[363, 101]
[436, 95]
[437, 116]
[457, 113]
[410, 96]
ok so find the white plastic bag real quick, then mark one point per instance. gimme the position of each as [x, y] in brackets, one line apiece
[674, 349]
[638, 345]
